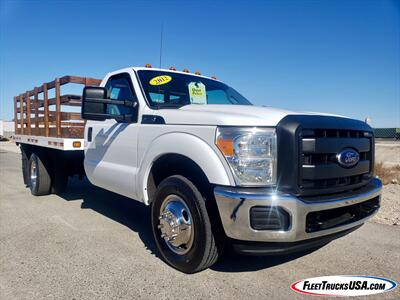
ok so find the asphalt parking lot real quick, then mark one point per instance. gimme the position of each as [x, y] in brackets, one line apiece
[92, 244]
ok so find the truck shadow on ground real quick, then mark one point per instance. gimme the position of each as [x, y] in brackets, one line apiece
[134, 215]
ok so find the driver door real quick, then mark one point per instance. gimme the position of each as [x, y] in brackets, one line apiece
[111, 153]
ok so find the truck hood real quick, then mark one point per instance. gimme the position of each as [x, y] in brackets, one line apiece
[229, 115]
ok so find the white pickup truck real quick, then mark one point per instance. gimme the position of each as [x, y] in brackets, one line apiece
[215, 169]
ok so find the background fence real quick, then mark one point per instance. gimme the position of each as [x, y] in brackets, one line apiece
[387, 133]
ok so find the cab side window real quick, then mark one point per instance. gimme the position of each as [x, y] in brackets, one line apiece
[120, 88]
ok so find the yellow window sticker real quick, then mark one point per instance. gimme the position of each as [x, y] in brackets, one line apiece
[197, 93]
[160, 80]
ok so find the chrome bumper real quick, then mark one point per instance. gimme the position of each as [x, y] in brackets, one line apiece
[234, 207]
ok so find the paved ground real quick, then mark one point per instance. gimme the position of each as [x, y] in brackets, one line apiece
[92, 244]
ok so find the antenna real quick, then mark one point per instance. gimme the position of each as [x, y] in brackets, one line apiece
[161, 41]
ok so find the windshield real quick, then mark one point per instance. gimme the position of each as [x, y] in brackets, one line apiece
[170, 89]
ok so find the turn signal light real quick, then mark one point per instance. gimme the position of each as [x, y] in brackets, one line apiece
[76, 144]
[226, 146]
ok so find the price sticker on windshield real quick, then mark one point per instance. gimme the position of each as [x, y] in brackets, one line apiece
[197, 93]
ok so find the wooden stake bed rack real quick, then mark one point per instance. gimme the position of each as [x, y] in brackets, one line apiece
[36, 124]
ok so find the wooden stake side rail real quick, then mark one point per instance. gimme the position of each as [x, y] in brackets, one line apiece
[32, 116]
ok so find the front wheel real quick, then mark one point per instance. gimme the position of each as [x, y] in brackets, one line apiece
[181, 226]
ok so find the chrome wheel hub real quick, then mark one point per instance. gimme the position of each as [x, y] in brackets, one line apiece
[33, 174]
[176, 224]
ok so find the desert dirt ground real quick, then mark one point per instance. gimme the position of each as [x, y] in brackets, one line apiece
[388, 153]
[92, 244]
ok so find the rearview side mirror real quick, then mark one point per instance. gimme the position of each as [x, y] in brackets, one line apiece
[94, 103]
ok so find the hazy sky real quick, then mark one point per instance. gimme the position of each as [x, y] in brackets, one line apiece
[340, 57]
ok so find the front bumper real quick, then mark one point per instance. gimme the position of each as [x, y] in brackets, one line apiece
[234, 206]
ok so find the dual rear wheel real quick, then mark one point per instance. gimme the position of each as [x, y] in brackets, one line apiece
[43, 178]
[39, 177]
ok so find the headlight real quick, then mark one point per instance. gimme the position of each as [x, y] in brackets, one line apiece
[250, 152]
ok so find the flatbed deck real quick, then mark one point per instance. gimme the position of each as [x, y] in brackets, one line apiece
[43, 121]
[51, 142]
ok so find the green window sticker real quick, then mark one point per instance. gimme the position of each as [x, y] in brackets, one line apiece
[197, 93]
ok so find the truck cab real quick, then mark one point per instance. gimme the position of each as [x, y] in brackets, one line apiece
[217, 170]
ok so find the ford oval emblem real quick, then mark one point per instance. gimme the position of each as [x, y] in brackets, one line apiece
[348, 158]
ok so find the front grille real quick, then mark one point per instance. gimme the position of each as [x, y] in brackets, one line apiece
[307, 149]
[320, 173]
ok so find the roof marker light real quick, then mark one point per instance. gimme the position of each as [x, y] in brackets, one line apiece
[197, 73]
[172, 68]
[186, 71]
[213, 77]
[147, 65]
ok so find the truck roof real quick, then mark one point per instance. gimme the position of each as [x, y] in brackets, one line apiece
[159, 69]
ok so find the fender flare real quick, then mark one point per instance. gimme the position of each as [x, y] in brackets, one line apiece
[214, 166]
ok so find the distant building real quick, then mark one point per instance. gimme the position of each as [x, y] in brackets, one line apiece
[6, 129]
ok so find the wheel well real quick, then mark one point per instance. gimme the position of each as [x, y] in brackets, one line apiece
[176, 164]
[70, 162]
[27, 149]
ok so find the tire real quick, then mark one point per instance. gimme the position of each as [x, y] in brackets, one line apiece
[202, 251]
[59, 180]
[37, 170]
[25, 167]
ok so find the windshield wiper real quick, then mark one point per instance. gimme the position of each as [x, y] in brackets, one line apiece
[170, 105]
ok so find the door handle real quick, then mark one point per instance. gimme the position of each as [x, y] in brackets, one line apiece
[89, 134]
